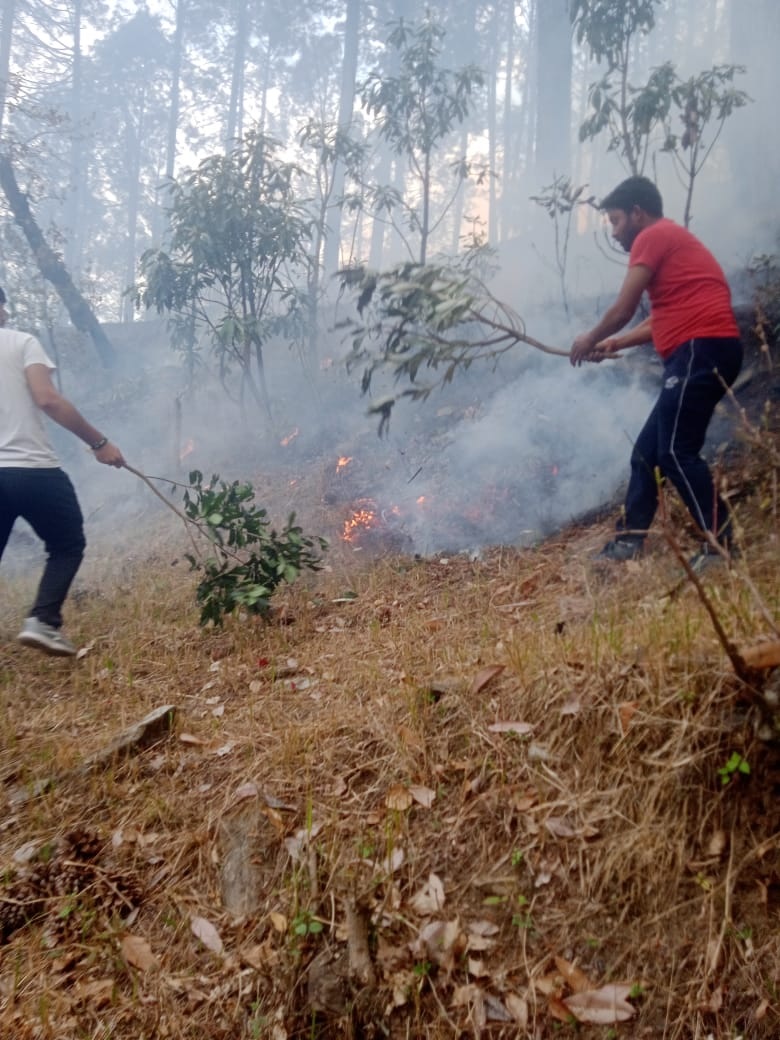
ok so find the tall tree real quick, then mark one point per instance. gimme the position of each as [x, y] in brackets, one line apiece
[553, 90]
[75, 164]
[346, 107]
[754, 145]
[6, 36]
[50, 265]
[236, 104]
[417, 110]
[130, 94]
[237, 247]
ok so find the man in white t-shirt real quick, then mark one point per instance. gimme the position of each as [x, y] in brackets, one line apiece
[33, 486]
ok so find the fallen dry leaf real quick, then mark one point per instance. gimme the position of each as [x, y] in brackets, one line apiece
[559, 827]
[430, 898]
[298, 842]
[548, 985]
[472, 997]
[480, 933]
[398, 798]
[484, 676]
[279, 921]
[138, 952]
[82, 652]
[411, 739]
[496, 1012]
[260, 956]
[574, 977]
[765, 655]
[760, 1013]
[717, 843]
[424, 796]
[207, 933]
[626, 712]
[441, 942]
[249, 790]
[602, 1007]
[518, 1008]
[390, 863]
[558, 1010]
[97, 992]
[714, 1003]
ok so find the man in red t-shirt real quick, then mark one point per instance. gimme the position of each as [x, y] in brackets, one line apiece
[693, 329]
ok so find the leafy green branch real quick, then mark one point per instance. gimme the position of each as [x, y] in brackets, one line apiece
[246, 559]
[249, 559]
[432, 317]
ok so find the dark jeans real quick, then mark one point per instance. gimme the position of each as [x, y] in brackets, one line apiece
[673, 436]
[46, 500]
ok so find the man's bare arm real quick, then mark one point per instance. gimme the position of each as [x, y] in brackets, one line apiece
[58, 408]
[619, 314]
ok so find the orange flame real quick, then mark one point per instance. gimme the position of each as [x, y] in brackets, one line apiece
[361, 520]
[421, 500]
[189, 447]
[344, 460]
[289, 438]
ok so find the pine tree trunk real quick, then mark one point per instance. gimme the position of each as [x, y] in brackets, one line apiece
[76, 174]
[50, 266]
[346, 104]
[553, 124]
[235, 110]
[173, 113]
[6, 36]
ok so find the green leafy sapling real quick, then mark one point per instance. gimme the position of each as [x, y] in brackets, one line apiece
[247, 558]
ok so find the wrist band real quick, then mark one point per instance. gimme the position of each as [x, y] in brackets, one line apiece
[99, 444]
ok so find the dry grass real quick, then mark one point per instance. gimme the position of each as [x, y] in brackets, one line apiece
[598, 846]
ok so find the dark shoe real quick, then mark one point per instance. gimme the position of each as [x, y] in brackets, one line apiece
[45, 637]
[621, 549]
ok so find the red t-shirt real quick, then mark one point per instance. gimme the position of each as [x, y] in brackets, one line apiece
[689, 295]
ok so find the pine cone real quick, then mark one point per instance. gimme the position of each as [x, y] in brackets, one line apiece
[22, 900]
[82, 844]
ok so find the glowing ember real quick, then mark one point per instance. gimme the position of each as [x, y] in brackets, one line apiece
[554, 471]
[344, 460]
[189, 447]
[358, 523]
[289, 438]
[421, 500]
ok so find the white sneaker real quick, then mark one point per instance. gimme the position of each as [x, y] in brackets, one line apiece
[45, 637]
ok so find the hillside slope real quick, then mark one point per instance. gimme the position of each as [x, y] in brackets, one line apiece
[507, 794]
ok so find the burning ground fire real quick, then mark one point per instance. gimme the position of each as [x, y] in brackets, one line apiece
[364, 518]
[496, 510]
[369, 527]
[285, 441]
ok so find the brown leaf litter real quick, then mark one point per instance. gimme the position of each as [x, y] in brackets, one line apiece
[487, 798]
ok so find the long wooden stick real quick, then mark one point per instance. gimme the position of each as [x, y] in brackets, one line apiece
[150, 485]
[189, 523]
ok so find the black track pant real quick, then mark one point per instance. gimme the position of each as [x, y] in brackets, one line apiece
[46, 500]
[673, 436]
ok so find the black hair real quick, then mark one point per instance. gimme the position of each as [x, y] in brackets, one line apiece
[635, 191]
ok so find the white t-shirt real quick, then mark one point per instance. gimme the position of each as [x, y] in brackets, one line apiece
[23, 439]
